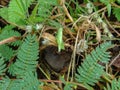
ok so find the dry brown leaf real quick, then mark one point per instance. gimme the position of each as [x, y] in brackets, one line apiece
[49, 37]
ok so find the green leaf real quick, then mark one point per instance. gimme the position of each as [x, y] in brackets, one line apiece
[54, 23]
[32, 19]
[26, 57]
[6, 51]
[105, 1]
[4, 13]
[114, 85]
[59, 39]
[118, 1]
[2, 65]
[18, 11]
[109, 9]
[90, 71]
[45, 8]
[68, 87]
[116, 12]
[108, 5]
[28, 82]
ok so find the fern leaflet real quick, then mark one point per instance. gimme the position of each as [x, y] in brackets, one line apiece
[6, 52]
[115, 85]
[90, 71]
[2, 65]
[29, 82]
[26, 57]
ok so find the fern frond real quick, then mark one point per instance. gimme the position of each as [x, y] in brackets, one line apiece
[2, 65]
[90, 71]
[115, 85]
[7, 32]
[4, 83]
[8, 84]
[26, 57]
[29, 82]
[6, 52]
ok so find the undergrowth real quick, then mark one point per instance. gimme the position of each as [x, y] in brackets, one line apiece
[82, 26]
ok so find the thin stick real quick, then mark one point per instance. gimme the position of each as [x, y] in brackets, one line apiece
[111, 26]
[8, 40]
[114, 59]
[72, 62]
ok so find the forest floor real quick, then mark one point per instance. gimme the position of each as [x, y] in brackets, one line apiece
[83, 31]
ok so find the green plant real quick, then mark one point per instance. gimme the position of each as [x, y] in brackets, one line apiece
[6, 52]
[26, 57]
[59, 39]
[24, 68]
[114, 85]
[5, 33]
[28, 82]
[90, 71]
[111, 5]
[2, 65]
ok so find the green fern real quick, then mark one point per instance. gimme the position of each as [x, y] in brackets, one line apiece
[6, 52]
[2, 65]
[7, 32]
[116, 12]
[29, 82]
[90, 71]
[115, 85]
[26, 57]
[4, 83]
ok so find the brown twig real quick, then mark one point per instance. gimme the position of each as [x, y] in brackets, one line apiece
[8, 40]
[114, 60]
[111, 26]
[55, 81]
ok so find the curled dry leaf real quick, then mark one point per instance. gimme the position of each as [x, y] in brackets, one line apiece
[98, 34]
[49, 37]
